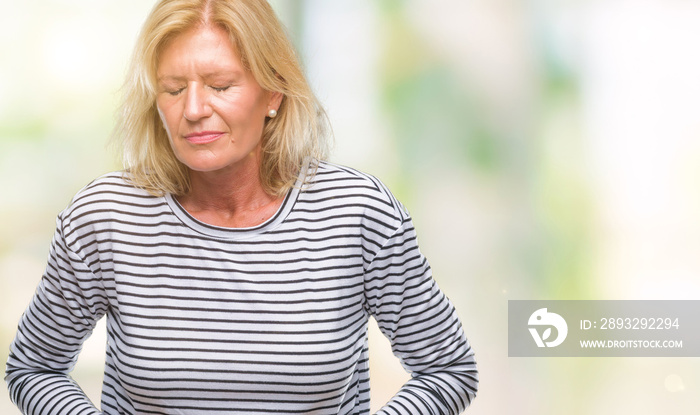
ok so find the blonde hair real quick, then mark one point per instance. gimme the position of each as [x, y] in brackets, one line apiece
[299, 131]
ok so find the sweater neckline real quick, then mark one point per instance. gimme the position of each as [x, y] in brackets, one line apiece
[223, 232]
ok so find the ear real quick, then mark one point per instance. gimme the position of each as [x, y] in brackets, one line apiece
[275, 101]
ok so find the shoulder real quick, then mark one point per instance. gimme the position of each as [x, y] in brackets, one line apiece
[110, 189]
[343, 186]
[107, 197]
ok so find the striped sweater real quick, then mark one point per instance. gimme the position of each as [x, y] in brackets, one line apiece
[268, 319]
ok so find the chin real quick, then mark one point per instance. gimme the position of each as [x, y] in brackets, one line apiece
[204, 168]
[210, 165]
[202, 163]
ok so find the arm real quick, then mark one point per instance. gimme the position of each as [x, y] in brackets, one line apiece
[68, 302]
[423, 328]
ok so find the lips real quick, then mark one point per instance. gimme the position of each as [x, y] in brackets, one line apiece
[203, 137]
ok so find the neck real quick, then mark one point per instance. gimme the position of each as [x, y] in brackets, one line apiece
[232, 198]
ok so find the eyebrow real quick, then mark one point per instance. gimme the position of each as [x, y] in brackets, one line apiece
[208, 75]
[169, 79]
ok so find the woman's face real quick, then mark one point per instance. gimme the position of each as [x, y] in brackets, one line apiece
[212, 108]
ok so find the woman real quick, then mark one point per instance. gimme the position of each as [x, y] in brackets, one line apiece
[237, 270]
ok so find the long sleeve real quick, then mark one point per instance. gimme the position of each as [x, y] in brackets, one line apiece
[68, 302]
[423, 328]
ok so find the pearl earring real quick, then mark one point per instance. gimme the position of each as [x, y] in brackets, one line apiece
[272, 113]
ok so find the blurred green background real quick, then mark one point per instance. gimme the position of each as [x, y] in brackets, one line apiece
[546, 150]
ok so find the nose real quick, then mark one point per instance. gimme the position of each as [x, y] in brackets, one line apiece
[196, 103]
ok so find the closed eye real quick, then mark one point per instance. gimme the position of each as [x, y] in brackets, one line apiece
[220, 88]
[176, 92]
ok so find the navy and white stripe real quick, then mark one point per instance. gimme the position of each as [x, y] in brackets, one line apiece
[210, 320]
